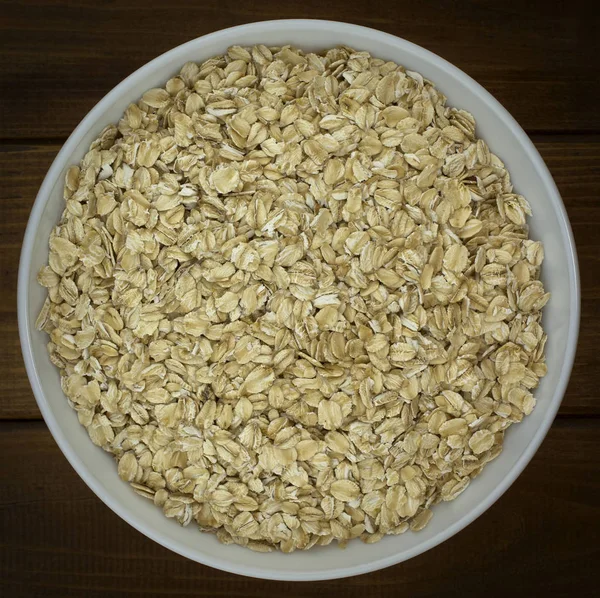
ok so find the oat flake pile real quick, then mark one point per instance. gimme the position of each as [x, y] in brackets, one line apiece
[294, 296]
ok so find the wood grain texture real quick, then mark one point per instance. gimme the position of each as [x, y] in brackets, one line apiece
[22, 169]
[59, 57]
[537, 540]
[573, 160]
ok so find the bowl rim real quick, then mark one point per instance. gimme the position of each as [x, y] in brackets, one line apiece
[25, 325]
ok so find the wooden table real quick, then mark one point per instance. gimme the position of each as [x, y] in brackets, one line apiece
[539, 58]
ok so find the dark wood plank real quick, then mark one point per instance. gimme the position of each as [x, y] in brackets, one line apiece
[23, 168]
[577, 174]
[573, 160]
[537, 540]
[59, 58]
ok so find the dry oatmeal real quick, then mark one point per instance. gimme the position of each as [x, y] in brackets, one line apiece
[294, 296]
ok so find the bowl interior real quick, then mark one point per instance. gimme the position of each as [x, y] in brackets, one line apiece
[549, 224]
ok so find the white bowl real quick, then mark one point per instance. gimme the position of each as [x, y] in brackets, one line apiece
[561, 316]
